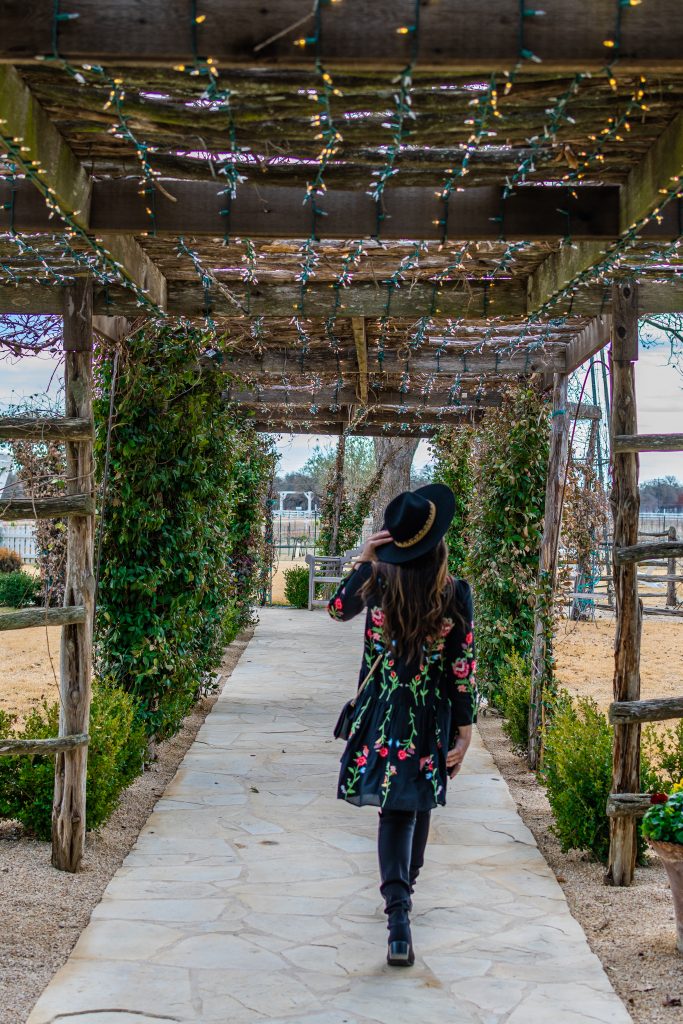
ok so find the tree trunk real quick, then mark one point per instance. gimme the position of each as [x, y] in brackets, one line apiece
[396, 455]
[338, 486]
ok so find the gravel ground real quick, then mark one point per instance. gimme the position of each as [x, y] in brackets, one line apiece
[43, 911]
[631, 930]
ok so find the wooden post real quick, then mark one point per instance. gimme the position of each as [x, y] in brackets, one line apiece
[671, 573]
[338, 485]
[68, 813]
[547, 565]
[625, 502]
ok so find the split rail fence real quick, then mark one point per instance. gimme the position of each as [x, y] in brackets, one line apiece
[70, 747]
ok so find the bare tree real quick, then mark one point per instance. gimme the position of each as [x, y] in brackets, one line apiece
[396, 455]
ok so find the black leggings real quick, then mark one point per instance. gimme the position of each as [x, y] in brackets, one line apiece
[401, 841]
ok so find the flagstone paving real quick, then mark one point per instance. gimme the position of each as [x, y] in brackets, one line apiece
[251, 894]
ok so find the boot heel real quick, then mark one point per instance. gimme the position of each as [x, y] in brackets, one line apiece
[400, 954]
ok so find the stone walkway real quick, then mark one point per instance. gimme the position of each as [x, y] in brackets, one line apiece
[251, 894]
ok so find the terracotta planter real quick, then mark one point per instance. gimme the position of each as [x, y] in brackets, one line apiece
[671, 856]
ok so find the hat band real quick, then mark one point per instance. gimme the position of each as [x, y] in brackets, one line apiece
[423, 532]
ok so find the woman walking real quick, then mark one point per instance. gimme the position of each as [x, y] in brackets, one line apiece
[412, 720]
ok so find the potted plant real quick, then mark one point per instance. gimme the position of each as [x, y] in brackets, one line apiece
[663, 829]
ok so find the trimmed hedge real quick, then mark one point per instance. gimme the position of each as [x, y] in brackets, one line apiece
[19, 589]
[116, 755]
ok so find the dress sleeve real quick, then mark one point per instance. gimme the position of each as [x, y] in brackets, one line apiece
[346, 602]
[461, 664]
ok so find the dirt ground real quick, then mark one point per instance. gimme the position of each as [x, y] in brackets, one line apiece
[584, 654]
[34, 944]
[631, 930]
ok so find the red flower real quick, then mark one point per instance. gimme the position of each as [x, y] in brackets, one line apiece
[469, 638]
[383, 751]
[338, 604]
[377, 616]
[402, 755]
[460, 668]
[360, 760]
[658, 798]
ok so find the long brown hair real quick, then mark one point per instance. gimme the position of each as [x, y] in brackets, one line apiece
[415, 598]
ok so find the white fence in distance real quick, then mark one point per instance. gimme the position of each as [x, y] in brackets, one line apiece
[19, 537]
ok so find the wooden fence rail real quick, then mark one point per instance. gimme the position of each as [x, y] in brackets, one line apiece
[650, 549]
[624, 712]
[47, 508]
[50, 746]
[28, 617]
[51, 428]
[628, 805]
[647, 443]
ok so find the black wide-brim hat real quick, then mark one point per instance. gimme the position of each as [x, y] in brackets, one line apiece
[417, 521]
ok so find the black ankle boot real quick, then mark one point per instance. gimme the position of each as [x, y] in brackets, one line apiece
[400, 951]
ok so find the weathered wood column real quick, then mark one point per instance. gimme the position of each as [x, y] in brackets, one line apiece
[625, 502]
[338, 497]
[68, 813]
[671, 601]
[547, 564]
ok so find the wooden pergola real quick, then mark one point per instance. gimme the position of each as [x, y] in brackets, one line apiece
[381, 215]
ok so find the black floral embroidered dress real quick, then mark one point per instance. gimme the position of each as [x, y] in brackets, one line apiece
[407, 717]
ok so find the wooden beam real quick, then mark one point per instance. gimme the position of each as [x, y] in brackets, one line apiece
[28, 617]
[335, 428]
[625, 503]
[263, 399]
[64, 177]
[138, 267]
[632, 554]
[656, 171]
[587, 342]
[358, 324]
[272, 211]
[429, 360]
[68, 811]
[547, 567]
[558, 269]
[654, 710]
[47, 508]
[469, 301]
[58, 745]
[45, 428]
[371, 414]
[647, 443]
[22, 118]
[354, 33]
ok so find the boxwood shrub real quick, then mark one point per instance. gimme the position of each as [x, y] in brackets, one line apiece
[19, 589]
[115, 756]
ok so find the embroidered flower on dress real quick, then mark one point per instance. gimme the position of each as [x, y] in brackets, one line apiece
[377, 616]
[461, 668]
[338, 604]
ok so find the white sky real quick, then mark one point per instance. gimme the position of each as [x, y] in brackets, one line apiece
[659, 390]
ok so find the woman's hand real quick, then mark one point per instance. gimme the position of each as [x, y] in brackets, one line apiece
[369, 552]
[456, 756]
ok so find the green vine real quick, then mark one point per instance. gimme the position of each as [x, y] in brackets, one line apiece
[451, 449]
[506, 523]
[182, 523]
